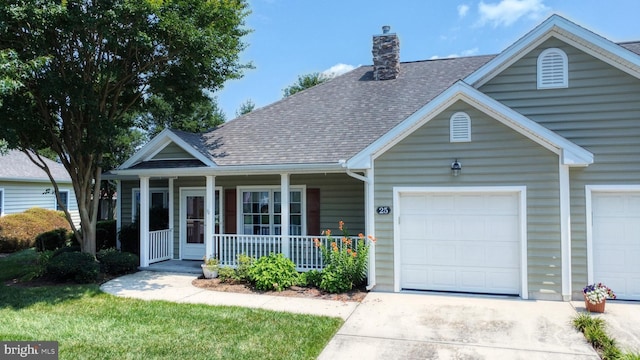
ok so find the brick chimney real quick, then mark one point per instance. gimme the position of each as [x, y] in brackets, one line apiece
[386, 55]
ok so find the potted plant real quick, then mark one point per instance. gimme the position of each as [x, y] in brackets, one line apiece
[595, 296]
[210, 267]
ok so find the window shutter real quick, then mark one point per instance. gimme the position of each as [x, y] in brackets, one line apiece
[460, 127]
[230, 211]
[313, 212]
[552, 69]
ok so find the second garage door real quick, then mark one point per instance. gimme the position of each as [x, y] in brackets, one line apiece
[467, 242]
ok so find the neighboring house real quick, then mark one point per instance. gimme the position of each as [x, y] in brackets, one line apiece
[544, 139]
[23, 185]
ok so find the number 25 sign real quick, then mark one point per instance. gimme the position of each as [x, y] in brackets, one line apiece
[383, 210]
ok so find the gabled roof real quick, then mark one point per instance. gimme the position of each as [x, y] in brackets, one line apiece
[622, 57]
[570, 153]
[352, 114]
[16, 166]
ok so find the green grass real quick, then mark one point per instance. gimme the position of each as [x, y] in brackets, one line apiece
[89, 324]
[593, 329]
[18, 265]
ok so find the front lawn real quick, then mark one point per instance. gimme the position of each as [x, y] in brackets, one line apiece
[89, 324]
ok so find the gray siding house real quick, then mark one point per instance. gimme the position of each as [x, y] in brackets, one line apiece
[515, 173]
[23, 185]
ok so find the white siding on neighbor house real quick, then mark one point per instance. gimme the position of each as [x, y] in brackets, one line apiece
[600, 111]
[341, 197]
[496, 156]
[20, 196]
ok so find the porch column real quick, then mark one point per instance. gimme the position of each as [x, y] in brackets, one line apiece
[565, 231]
[171, 214]
[284, 214]
[369, 216]
[209, 221]
[118, 213]
[144, 221]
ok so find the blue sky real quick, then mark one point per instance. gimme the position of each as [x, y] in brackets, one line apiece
[295, 37]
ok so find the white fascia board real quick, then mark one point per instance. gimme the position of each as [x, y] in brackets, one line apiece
[159, 142]
[571, 153]
[34, 180]
[567, 31]
[233, 170]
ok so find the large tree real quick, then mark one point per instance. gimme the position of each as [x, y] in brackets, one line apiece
[103, 59]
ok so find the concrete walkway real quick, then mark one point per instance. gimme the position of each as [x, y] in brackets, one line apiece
[177, 287]
[418, 326]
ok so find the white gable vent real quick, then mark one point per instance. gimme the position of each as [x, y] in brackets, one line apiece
[460, 127]
[553, 69]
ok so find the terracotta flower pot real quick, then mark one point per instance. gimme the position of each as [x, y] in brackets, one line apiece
[597, 308]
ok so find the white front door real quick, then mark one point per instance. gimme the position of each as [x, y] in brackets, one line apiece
[192, 224]
[467, 242]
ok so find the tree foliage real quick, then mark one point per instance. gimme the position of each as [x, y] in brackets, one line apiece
[246, 107]
[78, 70]
[304, 82]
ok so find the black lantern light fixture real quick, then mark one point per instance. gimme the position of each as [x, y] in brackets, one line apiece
[456, 167]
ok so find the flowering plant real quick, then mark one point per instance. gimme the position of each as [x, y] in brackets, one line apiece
[597, 293]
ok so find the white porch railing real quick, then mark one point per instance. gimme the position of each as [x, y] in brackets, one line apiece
[302, 249]
[160, 245]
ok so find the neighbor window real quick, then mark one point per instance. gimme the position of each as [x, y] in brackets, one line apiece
[158, 198]
[553, 69]
[64, 201]
[460, 127]
[261, 211]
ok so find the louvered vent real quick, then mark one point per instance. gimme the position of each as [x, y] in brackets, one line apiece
[460, 127]
[552, 69]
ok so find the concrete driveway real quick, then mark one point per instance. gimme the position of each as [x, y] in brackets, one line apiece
[426, 326]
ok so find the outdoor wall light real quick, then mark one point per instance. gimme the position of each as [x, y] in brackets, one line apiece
[456, 167]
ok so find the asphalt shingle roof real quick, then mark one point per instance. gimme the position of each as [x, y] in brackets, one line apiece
[336, 119]
[331, 121]
[16, 165]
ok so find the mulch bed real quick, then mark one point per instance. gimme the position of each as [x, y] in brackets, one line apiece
[357, 294]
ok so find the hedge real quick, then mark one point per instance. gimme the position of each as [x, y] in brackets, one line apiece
[19, 231]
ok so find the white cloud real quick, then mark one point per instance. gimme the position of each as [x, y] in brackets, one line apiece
[469, 52]
[338, 69]
[463, 10]
[506, 12]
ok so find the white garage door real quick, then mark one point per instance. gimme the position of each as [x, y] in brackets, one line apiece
[467, 242]
[616, 242]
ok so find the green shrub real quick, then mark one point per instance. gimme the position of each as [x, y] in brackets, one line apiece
[311, 278]
[244, 264]
[66, 249]
[130, 238]
[273, 272]
[52, 240]
[106, 234]
[19, 231]
[77, 266]
[227, 274]
[346, 262]
[114, 262]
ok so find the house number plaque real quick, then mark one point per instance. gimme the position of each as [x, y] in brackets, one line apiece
[383, 210]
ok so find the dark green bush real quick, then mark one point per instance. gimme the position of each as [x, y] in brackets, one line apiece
[52, 240]
[130, 238]
[77, 266]
[66, 249]
[114, 262]
[311, 278]
[106, 234]
[227, 274]
[19, 231]
[273, 272]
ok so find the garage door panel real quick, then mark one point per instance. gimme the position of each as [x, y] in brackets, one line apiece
[472, 242]
[616, 242]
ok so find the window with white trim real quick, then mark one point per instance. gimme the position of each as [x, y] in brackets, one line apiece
[158, 198]
[64, 200]
[1, 202]
[553, 69]
[260, 211]
[460, 127]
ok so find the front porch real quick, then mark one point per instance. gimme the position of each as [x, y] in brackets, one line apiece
[302, 250]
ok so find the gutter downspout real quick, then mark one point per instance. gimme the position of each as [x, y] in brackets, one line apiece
[368, 200]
